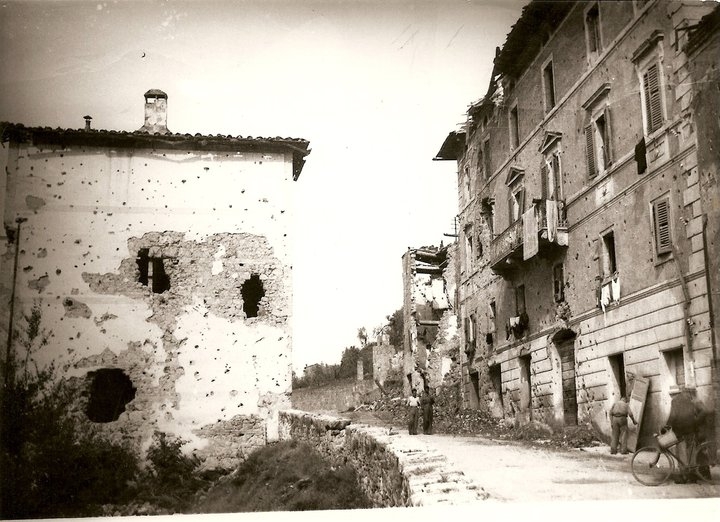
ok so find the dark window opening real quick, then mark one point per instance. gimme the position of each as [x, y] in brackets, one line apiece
[514, 128]
[592, 26]
[110, 391]
[525, 363]
[617, 365]
[558, 283]
[252, 292]
[496, 380]
[475, 389]
[609, 260]
[486, 157]
[520, 300]
[152, 272]
[549, 82]
[675, 361]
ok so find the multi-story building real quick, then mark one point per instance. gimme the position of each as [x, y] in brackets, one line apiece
[582, 268]
[431, 331]
[160, 264]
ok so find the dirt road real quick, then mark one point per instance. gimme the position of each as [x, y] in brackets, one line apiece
[511, 471]
[514, 471]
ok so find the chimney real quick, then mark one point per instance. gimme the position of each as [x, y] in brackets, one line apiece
[155, 112]
[87, 122]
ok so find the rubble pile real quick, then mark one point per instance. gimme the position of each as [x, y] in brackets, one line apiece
[451, 419]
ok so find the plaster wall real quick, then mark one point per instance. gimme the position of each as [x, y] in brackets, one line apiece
[202, 369]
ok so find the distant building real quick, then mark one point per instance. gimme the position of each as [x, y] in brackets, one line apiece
[431, 330]
[161, 265]
[585, 175]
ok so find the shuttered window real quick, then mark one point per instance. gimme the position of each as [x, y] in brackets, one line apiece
[590, 151]
[544, 180]
[653, 102]
[661, 224]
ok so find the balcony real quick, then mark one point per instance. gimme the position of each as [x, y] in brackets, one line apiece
[507, 251]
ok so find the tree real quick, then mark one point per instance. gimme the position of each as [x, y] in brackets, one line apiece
[362, 336]
[396, 329]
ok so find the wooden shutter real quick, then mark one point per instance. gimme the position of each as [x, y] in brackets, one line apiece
[590, 150]
[544, 189]
[661, 222]
[653, 102]
[521, 202]
[607, 138]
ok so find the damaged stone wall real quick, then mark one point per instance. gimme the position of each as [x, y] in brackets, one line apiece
[431, 339]
[171, 266]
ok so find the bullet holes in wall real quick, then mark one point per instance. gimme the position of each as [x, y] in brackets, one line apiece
[110, 391]
[252, 292]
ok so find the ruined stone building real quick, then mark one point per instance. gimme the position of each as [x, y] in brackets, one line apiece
[161, 265]
[430, 340]
[587, 186]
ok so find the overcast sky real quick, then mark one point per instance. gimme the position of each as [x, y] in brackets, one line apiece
[375, 86]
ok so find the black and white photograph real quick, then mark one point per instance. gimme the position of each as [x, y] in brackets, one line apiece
[314, 259]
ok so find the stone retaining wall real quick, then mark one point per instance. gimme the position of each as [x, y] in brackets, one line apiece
[393, 469]
[342, 395]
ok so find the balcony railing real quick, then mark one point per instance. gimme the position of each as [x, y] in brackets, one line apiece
[506, 250]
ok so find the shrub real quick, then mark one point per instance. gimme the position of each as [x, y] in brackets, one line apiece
[50, 465]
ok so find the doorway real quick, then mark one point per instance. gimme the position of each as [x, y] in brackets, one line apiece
[617, 368]
[566, 351]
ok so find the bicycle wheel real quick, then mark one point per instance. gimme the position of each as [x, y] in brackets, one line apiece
[705, 460]
[651, 466]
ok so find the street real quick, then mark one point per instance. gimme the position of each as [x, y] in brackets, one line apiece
[511, 471]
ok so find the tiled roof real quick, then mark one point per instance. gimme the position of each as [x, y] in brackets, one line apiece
[144, 140]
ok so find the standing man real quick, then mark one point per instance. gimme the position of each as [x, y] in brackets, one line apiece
[618, 421]
[427, 402]
[413, 403]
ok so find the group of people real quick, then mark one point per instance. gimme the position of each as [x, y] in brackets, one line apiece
[415, 404]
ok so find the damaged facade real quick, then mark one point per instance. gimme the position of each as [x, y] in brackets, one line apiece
[161, 266]
[431, 330]
[583, 253]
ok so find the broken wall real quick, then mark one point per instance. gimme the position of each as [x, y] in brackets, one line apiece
[208, 350]
[431, 338]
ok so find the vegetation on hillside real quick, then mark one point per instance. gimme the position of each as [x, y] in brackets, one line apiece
[285, 476]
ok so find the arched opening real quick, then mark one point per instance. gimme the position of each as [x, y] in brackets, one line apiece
[110, 391]
[252, 292]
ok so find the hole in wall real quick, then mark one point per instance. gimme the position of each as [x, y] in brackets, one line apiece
[110, 391]
[252, 292]
[152, 271]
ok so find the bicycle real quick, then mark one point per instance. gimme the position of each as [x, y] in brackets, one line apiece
[653, 466]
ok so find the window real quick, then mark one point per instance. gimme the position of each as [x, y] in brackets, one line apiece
[609, 262]
[486, 157]
[470, 333]
[549, 86]
[519, 300]
[516, 204]
[550, 177]
[492, 313]
[488, 214]
[466, 185]
[559, 282]
[597, 142]
[652, 98]
[514, 128]
[661, 226]
[468, 248]
[592, 31]
[152, 271]
[675, 361]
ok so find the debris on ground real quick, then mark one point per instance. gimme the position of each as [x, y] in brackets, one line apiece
[449, 419]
